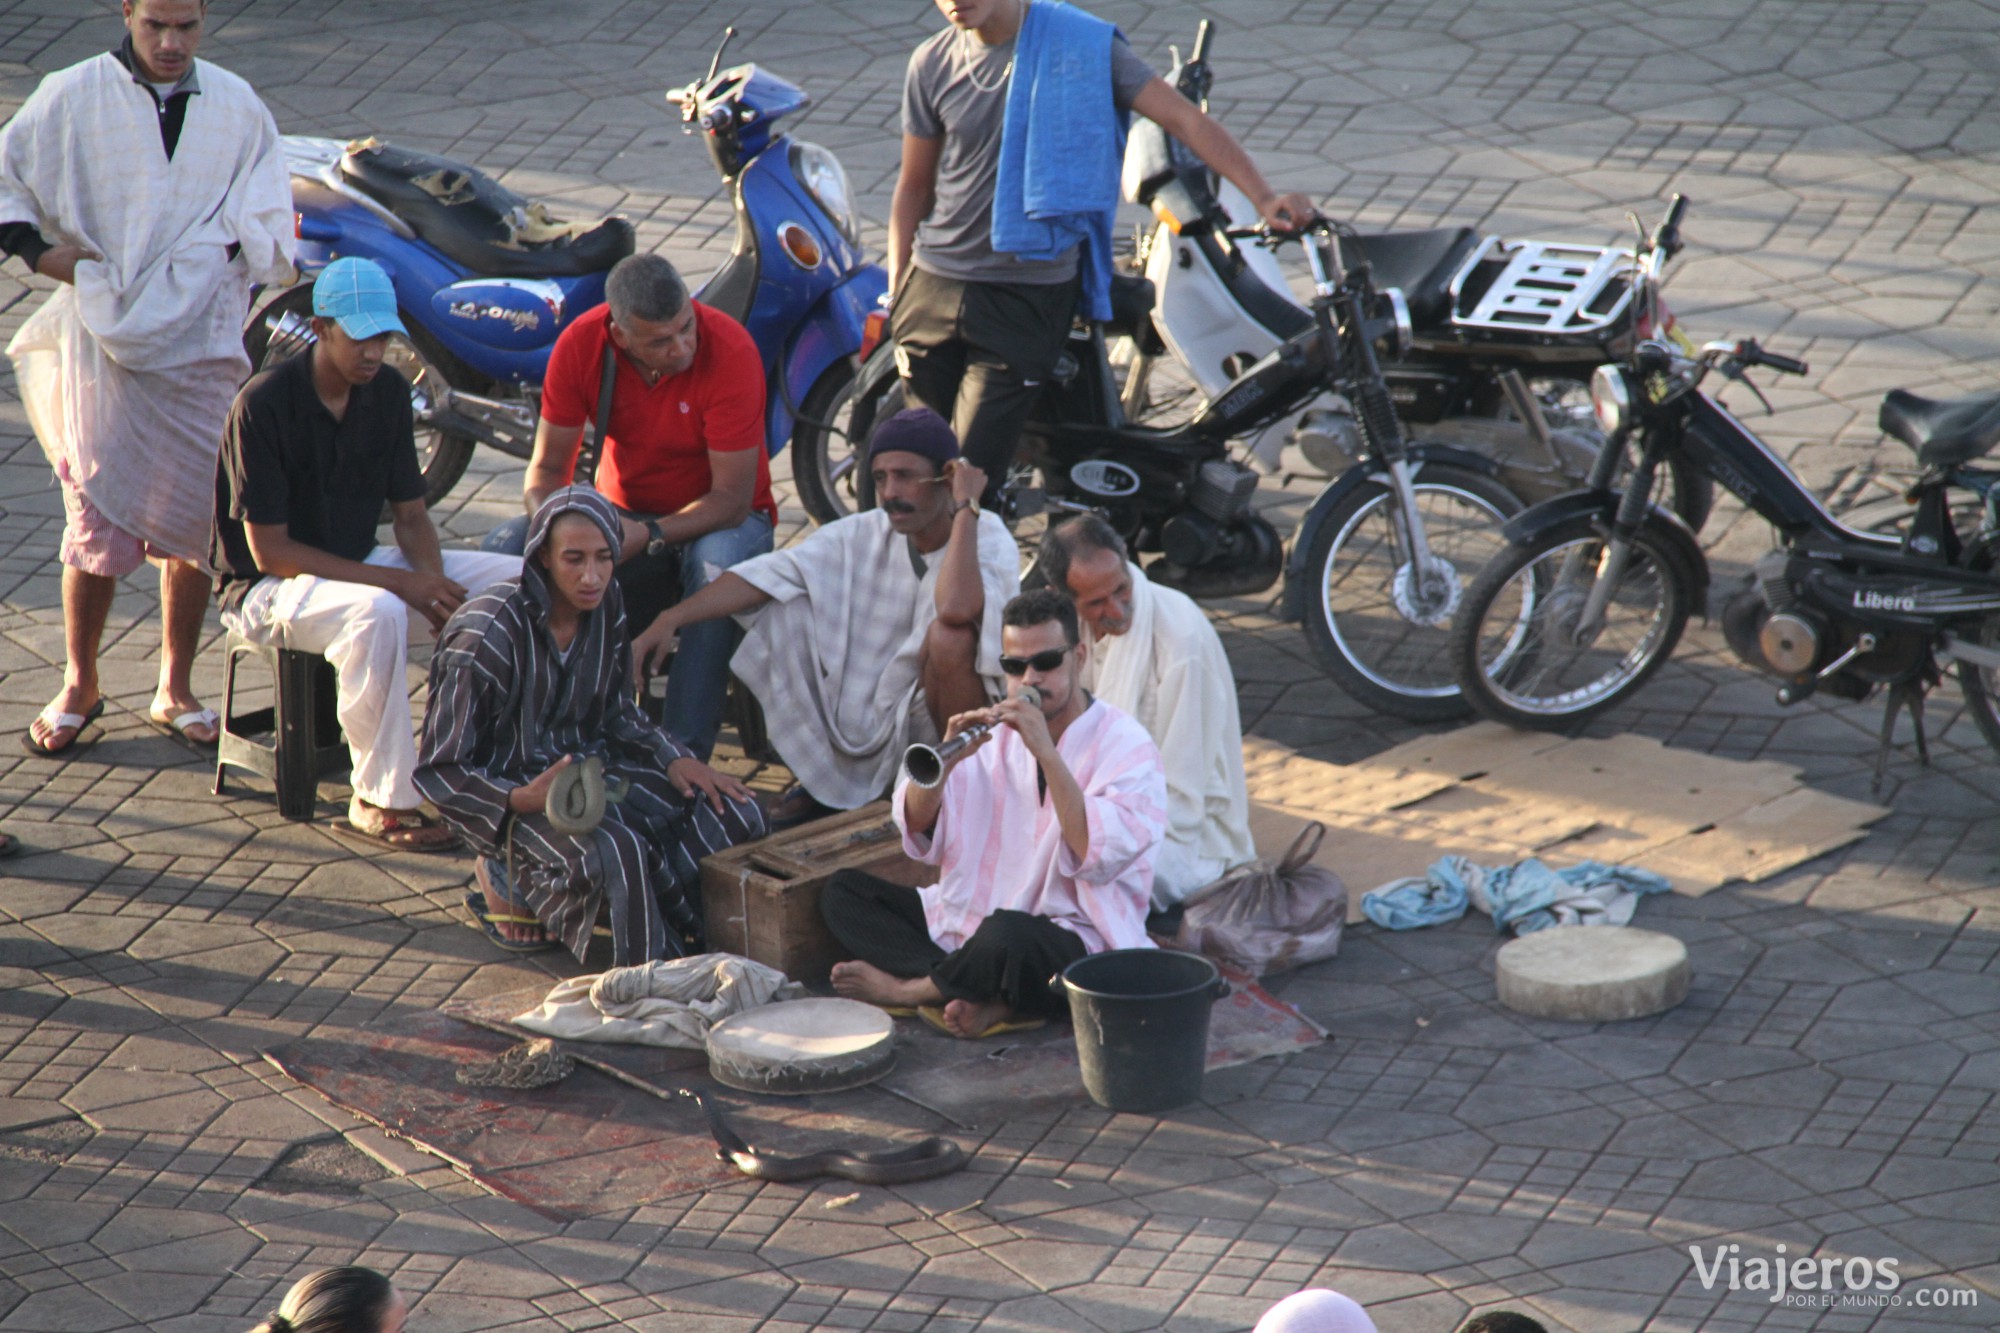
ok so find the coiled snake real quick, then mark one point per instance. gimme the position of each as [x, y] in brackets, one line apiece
[578, 797]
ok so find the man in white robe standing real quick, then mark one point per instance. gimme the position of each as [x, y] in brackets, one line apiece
[151, 187]
[1155, 655]
[875, 630]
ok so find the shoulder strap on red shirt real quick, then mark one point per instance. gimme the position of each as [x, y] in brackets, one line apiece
[607, 380]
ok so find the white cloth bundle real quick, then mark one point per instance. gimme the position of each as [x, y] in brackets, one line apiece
[669, 1003]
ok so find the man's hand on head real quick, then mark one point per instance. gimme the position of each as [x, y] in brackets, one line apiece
[967, 481]
[690, 775]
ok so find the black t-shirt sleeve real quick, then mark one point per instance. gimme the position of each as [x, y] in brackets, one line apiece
[253, 451]
[25, 242]
[406, 475]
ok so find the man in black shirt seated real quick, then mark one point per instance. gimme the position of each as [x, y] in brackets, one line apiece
[313, 449]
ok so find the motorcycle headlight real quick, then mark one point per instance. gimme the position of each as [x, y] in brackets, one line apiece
[1611, 398]
[821, 173]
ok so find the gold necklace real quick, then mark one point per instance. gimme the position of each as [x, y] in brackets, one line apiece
[971, 74]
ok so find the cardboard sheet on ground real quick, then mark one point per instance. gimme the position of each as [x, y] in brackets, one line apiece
[1497, 795]
[971, 1084]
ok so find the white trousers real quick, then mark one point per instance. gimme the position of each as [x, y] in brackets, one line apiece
[365, 632]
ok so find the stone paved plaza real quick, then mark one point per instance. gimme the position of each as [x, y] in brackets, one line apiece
[1830, 1085]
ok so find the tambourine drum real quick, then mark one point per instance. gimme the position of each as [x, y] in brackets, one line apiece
[800, 1046]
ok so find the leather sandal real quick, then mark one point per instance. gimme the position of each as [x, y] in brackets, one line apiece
[398, 830]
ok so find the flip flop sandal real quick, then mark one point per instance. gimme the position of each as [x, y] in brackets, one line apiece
[394, 822]
[177, 728]
[58, 721]
[934, 1015]
[490, 921]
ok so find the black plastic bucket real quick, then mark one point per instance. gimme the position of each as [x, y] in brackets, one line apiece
[1141, 1019]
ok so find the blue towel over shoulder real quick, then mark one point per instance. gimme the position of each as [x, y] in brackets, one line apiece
[1062, 143]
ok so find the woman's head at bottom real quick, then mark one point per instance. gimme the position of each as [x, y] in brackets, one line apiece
[339, 1300]
[1316, 1310]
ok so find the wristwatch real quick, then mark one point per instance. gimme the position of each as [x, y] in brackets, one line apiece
[656, 541]
[962, 505]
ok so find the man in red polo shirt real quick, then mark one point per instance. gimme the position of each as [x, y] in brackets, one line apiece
[684, 461]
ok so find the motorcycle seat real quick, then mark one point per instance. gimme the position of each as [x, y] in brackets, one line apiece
[1420, 263]
[1943, 431]
[476, 221]
[1132, 300]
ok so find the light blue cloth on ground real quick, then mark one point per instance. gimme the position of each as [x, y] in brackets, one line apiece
[1062, 145]
[1527, 896]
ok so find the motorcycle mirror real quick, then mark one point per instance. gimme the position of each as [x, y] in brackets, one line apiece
[716, 64]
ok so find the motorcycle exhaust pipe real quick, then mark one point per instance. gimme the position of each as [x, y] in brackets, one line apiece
[289, 334]
[508, 427]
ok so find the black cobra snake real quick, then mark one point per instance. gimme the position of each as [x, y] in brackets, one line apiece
[895, 1166]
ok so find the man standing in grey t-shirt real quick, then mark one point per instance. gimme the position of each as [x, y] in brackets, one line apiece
[977, 330]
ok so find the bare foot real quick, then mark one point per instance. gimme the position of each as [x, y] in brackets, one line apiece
[498, 910]
[865, 981]
[73, 699]
[166, 707]
[968, 1019]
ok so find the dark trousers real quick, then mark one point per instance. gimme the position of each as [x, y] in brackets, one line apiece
[978, 354]
[1010, 957]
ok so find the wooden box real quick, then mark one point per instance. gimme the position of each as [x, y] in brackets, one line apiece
[761, 900]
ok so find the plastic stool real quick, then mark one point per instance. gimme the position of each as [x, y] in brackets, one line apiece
[304, 725]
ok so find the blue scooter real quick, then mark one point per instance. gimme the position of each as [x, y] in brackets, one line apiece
[486, 279]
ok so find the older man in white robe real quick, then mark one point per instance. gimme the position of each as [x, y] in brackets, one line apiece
[150, 185]
[876, 629]
[1155, 655]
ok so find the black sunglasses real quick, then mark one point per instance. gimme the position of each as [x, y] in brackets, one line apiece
[1042, 662]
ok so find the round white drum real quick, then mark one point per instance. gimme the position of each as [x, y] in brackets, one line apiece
[801, 1046]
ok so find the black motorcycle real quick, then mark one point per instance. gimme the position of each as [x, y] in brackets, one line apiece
[1379, 563]
[1594, 588]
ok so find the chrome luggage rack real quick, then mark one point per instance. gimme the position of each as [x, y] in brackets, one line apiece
[1543, 290]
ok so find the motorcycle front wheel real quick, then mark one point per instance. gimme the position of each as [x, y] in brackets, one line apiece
[1514, 651]
[1981, 684]
[829, 451]
[1376, 626]
[443, 455]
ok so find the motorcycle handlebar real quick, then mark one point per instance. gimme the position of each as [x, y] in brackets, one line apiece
[1201, 35]
[1785, 365]
[1667, 237]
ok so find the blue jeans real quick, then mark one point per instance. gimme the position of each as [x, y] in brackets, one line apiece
[651, 584]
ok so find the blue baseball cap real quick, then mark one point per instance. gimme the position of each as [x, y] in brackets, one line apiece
[356, 293]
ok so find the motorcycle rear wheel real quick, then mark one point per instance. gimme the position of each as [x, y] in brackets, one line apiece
[1368, 631]
[1511, 652]
[442, 454]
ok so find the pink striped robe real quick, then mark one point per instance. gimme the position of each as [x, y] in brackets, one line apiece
[1000, 845]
